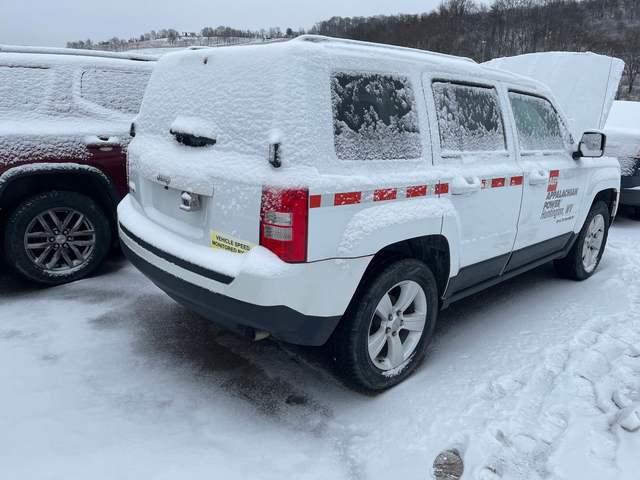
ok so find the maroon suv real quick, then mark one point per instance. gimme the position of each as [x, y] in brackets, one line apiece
[65, 118]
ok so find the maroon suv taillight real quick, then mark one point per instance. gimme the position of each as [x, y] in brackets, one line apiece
[284, 216]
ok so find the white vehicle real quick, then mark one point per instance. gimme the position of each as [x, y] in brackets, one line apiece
[623, 142]
[321, 188]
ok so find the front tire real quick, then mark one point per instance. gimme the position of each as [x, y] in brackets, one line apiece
[56, 237]
[585, 255]
[384, 335]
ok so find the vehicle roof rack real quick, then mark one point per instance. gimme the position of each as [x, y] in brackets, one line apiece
[77, 52]
[345, 41]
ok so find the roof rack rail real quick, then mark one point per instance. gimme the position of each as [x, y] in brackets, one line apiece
[77, 52]
[345, 41]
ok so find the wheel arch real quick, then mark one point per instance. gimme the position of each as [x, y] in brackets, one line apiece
[22, 182]
[433, 250]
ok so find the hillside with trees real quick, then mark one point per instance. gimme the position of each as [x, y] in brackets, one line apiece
[461, 27]
[510, 27]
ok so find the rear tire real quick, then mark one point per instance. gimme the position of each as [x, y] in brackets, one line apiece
[56, 237]
[585, 255]
[384, 335]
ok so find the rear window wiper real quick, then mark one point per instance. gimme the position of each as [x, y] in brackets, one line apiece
[192, 140]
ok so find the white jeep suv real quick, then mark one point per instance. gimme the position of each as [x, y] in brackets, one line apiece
[321, 188]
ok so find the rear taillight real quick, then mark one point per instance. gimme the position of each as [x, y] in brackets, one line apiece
[284, 222]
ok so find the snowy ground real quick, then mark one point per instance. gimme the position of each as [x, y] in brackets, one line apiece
[110, 379]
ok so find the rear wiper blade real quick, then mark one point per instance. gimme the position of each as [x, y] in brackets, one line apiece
[192, 140]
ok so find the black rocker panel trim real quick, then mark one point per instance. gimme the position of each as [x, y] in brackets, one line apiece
[536, 251]
[532, 256]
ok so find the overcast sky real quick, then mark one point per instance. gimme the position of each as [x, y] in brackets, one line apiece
[54, 22]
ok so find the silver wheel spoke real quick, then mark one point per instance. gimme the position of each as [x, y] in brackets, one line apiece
[54, 260]
[44, 224]
[414, 322]
[396, 351]
[43, 255]
[77, 224]
[385, 307]
[55, 219]
[37, 235]
[35, 246]
[67, 258]
[67, 220]
[377, 343]
[75, 251]
[408, 292]
[81, 243]
[82, 233]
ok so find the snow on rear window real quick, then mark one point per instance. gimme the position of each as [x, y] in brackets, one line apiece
[22, 89]
[374, 117]
[117, 90]
[537, 123]
[469, 118]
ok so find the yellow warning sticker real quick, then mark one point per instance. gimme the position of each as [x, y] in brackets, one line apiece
[226, 242]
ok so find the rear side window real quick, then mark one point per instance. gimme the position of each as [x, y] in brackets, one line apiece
[374, 117]
[116, 90]
[23, 89]
[469, 118]
[537, 123]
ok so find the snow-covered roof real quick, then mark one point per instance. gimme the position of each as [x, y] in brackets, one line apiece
[77, 52]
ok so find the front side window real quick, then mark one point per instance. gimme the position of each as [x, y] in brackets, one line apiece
[116, 90]
[469, 118]
[374, 117]
[537, 123]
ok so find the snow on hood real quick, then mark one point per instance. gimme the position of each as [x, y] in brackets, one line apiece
[623, 134]
[584, 84]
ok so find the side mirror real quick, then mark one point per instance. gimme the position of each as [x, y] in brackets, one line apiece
[591, 145]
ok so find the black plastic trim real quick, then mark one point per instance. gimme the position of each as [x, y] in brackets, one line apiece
[210, 274]
[282, 322]
[527, 252]
[477, 273]
[527, 255]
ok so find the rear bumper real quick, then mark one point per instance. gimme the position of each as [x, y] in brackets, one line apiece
[282, 322]
[297, 303]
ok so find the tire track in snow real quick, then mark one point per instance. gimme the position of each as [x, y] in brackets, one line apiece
[167, 334]
[601, 363]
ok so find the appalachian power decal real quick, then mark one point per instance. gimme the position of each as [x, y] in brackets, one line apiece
[226, 242]
[557, 205]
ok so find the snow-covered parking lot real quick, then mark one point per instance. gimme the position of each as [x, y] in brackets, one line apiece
[109, 378]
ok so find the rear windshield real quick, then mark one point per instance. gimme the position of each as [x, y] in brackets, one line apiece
[374, 117]
[116, 90]
[23, 89]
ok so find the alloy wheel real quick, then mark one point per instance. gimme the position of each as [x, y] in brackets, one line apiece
[397, 325]
[60, 240]
[593, 243]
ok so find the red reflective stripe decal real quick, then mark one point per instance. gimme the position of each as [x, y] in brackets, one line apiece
[498, 182]
[347, 198]
[517, 181]
[442, 188]
[315, 201]
[417, 191]
[385, 194]
[553, 180]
